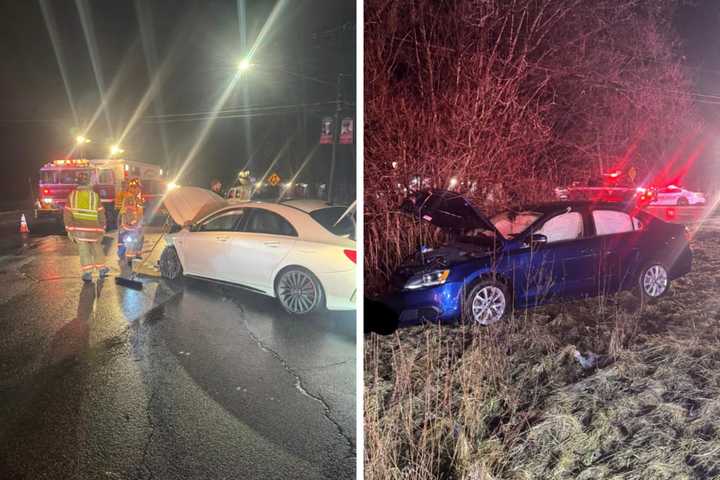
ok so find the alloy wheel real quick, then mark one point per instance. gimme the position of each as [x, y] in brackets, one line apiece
[655, 281]
[298, 292]
[488, 305]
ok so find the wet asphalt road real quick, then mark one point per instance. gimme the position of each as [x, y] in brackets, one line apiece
[182, 380]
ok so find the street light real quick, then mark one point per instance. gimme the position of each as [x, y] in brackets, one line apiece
[244, 65]
[81, 140]
[116, 150]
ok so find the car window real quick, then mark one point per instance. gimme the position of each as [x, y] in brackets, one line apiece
[70, 177]
[106, 177]
[48, 177]
[265, 221]
[224, 222]
[328, 218]
[566, 226]
[510, 224]
[608, 222]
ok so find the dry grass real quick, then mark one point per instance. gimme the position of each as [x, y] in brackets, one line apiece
[510, 402]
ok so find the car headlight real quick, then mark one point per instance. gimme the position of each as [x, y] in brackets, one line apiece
[437, 277]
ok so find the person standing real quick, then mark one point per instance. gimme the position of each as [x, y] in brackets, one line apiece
[130, 231]
[216, 186]
[85, 222]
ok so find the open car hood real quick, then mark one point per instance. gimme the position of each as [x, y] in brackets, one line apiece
[447, 210]
[188, 204]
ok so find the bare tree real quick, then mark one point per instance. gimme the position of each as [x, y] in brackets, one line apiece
[513, 97]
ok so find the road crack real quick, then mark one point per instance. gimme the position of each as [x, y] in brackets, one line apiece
[327, 413]
[153, 426]
[329, 365]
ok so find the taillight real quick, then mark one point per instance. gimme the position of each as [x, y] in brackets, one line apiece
[351, 254]
[46, 191]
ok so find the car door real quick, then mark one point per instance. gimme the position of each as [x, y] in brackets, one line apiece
[667, 196]
[563, 265]
[266, 239]
[204, 249]
[619, 234]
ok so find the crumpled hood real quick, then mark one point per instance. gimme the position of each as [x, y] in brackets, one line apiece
[447, 210]
[189, 204]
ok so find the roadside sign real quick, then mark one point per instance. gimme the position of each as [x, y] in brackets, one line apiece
[326, 132]
[274, 179]
[346, 130]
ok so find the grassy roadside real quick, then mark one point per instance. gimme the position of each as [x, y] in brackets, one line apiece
[511, 402]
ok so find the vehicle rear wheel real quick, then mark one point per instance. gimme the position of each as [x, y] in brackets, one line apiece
[299, 291]
[170, 266]
[682, 201]
[653, 281]
[488, 302]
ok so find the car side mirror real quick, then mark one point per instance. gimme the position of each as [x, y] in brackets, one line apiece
[536, 240]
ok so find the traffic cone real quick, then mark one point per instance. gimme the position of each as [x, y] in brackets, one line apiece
[23, 224]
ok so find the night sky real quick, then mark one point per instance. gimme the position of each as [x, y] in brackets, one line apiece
[199, 44]
[192, 48]
[697, 24]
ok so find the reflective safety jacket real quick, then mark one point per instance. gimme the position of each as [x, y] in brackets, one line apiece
[84, 215]
[131, 210]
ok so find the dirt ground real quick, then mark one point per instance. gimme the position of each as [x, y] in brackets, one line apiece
[511, 401]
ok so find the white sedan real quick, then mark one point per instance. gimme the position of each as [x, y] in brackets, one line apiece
[673, 195]
[301, 252]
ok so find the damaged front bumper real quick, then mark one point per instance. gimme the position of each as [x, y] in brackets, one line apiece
[441, 303]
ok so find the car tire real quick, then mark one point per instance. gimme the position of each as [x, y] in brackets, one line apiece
[299, 292]
[653, 282]
[682, 201]
[488, 302]
[170, 266]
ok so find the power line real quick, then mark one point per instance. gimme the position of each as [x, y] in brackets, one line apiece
[249, 109]
[219, 117]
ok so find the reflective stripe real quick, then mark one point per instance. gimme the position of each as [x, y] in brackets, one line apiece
[90, 240]
[85, 229]
[87, 267]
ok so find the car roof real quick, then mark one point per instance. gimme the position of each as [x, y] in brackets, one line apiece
[305, 205]
[310, 205]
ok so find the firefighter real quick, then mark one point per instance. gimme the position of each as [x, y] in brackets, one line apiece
[84, 218]
[243, 187]
[216, 186]
[130, 231]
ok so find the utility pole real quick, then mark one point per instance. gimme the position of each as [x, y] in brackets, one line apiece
[336, 135]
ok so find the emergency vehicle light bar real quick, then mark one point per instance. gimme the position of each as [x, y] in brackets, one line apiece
[61, 163]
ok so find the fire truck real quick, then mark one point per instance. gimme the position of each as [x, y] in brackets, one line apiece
[59, 177]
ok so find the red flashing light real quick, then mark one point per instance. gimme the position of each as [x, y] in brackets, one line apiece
[46, 191]
[351, 254]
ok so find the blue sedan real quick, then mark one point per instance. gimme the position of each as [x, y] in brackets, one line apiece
[532, 255]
